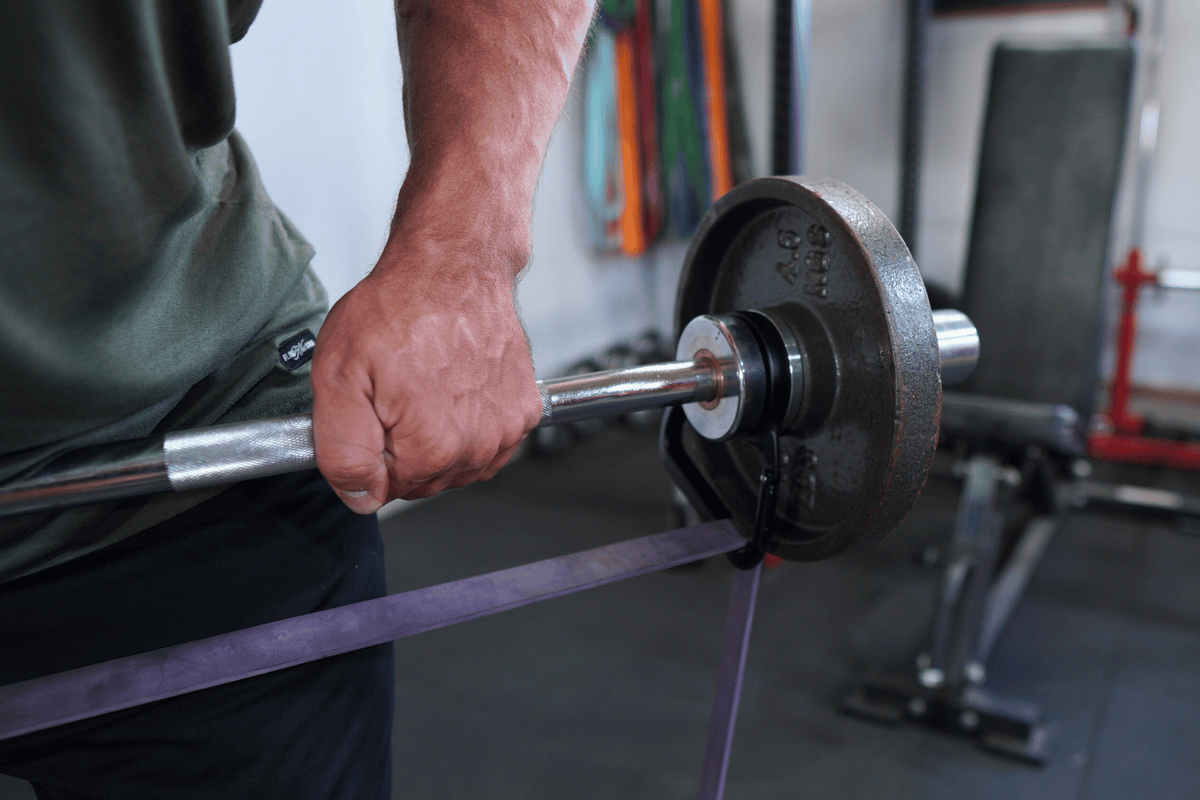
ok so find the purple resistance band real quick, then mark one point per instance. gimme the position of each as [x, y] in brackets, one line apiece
[77, 694]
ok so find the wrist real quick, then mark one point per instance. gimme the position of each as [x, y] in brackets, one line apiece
[445, 235]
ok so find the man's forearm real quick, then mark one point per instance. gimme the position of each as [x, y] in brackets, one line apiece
[484, 83]
[422, 378]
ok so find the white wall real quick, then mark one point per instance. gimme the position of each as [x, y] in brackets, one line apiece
[318, 91]
[318, 88]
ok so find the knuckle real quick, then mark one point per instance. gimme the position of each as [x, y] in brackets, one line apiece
[420, 463]
[444, 452]
[533, 412]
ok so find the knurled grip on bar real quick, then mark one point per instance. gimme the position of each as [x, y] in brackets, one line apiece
[231, 453]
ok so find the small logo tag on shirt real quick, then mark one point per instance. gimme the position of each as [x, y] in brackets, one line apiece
[297, 351]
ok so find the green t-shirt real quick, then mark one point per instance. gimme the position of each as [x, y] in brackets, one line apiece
[147, 282]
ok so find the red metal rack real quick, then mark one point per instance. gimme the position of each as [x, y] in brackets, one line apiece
[1121, 434]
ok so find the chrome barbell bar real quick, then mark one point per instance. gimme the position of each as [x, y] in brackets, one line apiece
[714, 387]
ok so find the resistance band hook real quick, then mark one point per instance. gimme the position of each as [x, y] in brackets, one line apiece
[751, 555]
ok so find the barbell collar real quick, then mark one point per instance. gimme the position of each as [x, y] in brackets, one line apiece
[741, 394]
[729, 347]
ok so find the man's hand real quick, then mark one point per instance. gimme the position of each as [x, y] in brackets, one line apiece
[422, 378]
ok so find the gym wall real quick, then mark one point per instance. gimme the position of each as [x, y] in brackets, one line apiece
[318, 89]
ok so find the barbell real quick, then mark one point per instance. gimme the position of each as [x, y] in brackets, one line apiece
[804, 310]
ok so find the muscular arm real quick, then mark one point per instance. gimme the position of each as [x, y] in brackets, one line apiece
[422, 378]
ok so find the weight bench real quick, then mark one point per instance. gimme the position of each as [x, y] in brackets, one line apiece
[1034, 285]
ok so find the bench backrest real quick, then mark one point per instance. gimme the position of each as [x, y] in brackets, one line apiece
[1038, 257]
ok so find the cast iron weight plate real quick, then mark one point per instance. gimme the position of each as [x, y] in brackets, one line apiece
[827, 258]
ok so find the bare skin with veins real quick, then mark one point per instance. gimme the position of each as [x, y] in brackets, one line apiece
[422, 377]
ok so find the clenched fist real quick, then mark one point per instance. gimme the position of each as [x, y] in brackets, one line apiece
[422, 378]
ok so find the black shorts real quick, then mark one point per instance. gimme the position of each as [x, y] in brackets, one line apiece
[260, 551]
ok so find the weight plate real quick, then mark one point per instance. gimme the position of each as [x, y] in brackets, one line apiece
[824, 257]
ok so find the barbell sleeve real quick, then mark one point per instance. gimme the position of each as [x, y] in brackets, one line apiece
[958, 345]
[621, 391]
[222, 454]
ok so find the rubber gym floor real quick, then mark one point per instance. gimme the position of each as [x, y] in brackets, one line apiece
[606, 693]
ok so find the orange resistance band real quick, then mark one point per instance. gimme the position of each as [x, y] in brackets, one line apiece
[633, 238]
[712, 38]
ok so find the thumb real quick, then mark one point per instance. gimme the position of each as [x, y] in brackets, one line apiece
[349, 441]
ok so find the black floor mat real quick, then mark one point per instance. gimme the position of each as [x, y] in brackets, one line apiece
[606, 694]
